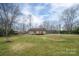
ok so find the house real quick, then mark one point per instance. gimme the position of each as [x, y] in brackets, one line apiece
[37, 31]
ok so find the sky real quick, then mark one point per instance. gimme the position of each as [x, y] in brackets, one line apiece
[43, 11]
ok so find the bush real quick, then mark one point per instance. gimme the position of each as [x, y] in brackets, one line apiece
[76, 31]
[2, 32]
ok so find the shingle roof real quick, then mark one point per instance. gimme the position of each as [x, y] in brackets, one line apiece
[37, 29]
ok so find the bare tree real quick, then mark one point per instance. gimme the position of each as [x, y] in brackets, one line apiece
[24, 24]
[30, 21]
[8, 13]
[68, 17]
[46, 24]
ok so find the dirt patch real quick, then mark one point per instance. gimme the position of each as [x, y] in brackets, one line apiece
[56, 38]
[21, 46]
[53, 38]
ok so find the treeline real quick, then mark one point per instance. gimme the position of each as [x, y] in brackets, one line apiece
[76, 31]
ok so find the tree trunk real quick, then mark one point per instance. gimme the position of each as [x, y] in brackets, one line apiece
[7, 39]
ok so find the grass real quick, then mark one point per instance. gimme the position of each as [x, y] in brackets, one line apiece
[41, 45]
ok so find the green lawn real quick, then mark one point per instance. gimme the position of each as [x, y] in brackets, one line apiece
[41, 45]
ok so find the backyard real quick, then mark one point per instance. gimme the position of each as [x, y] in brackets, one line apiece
[40, 45]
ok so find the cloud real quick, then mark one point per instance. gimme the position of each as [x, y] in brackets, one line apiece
[35, 19]
[57, 9]
[44, 11]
